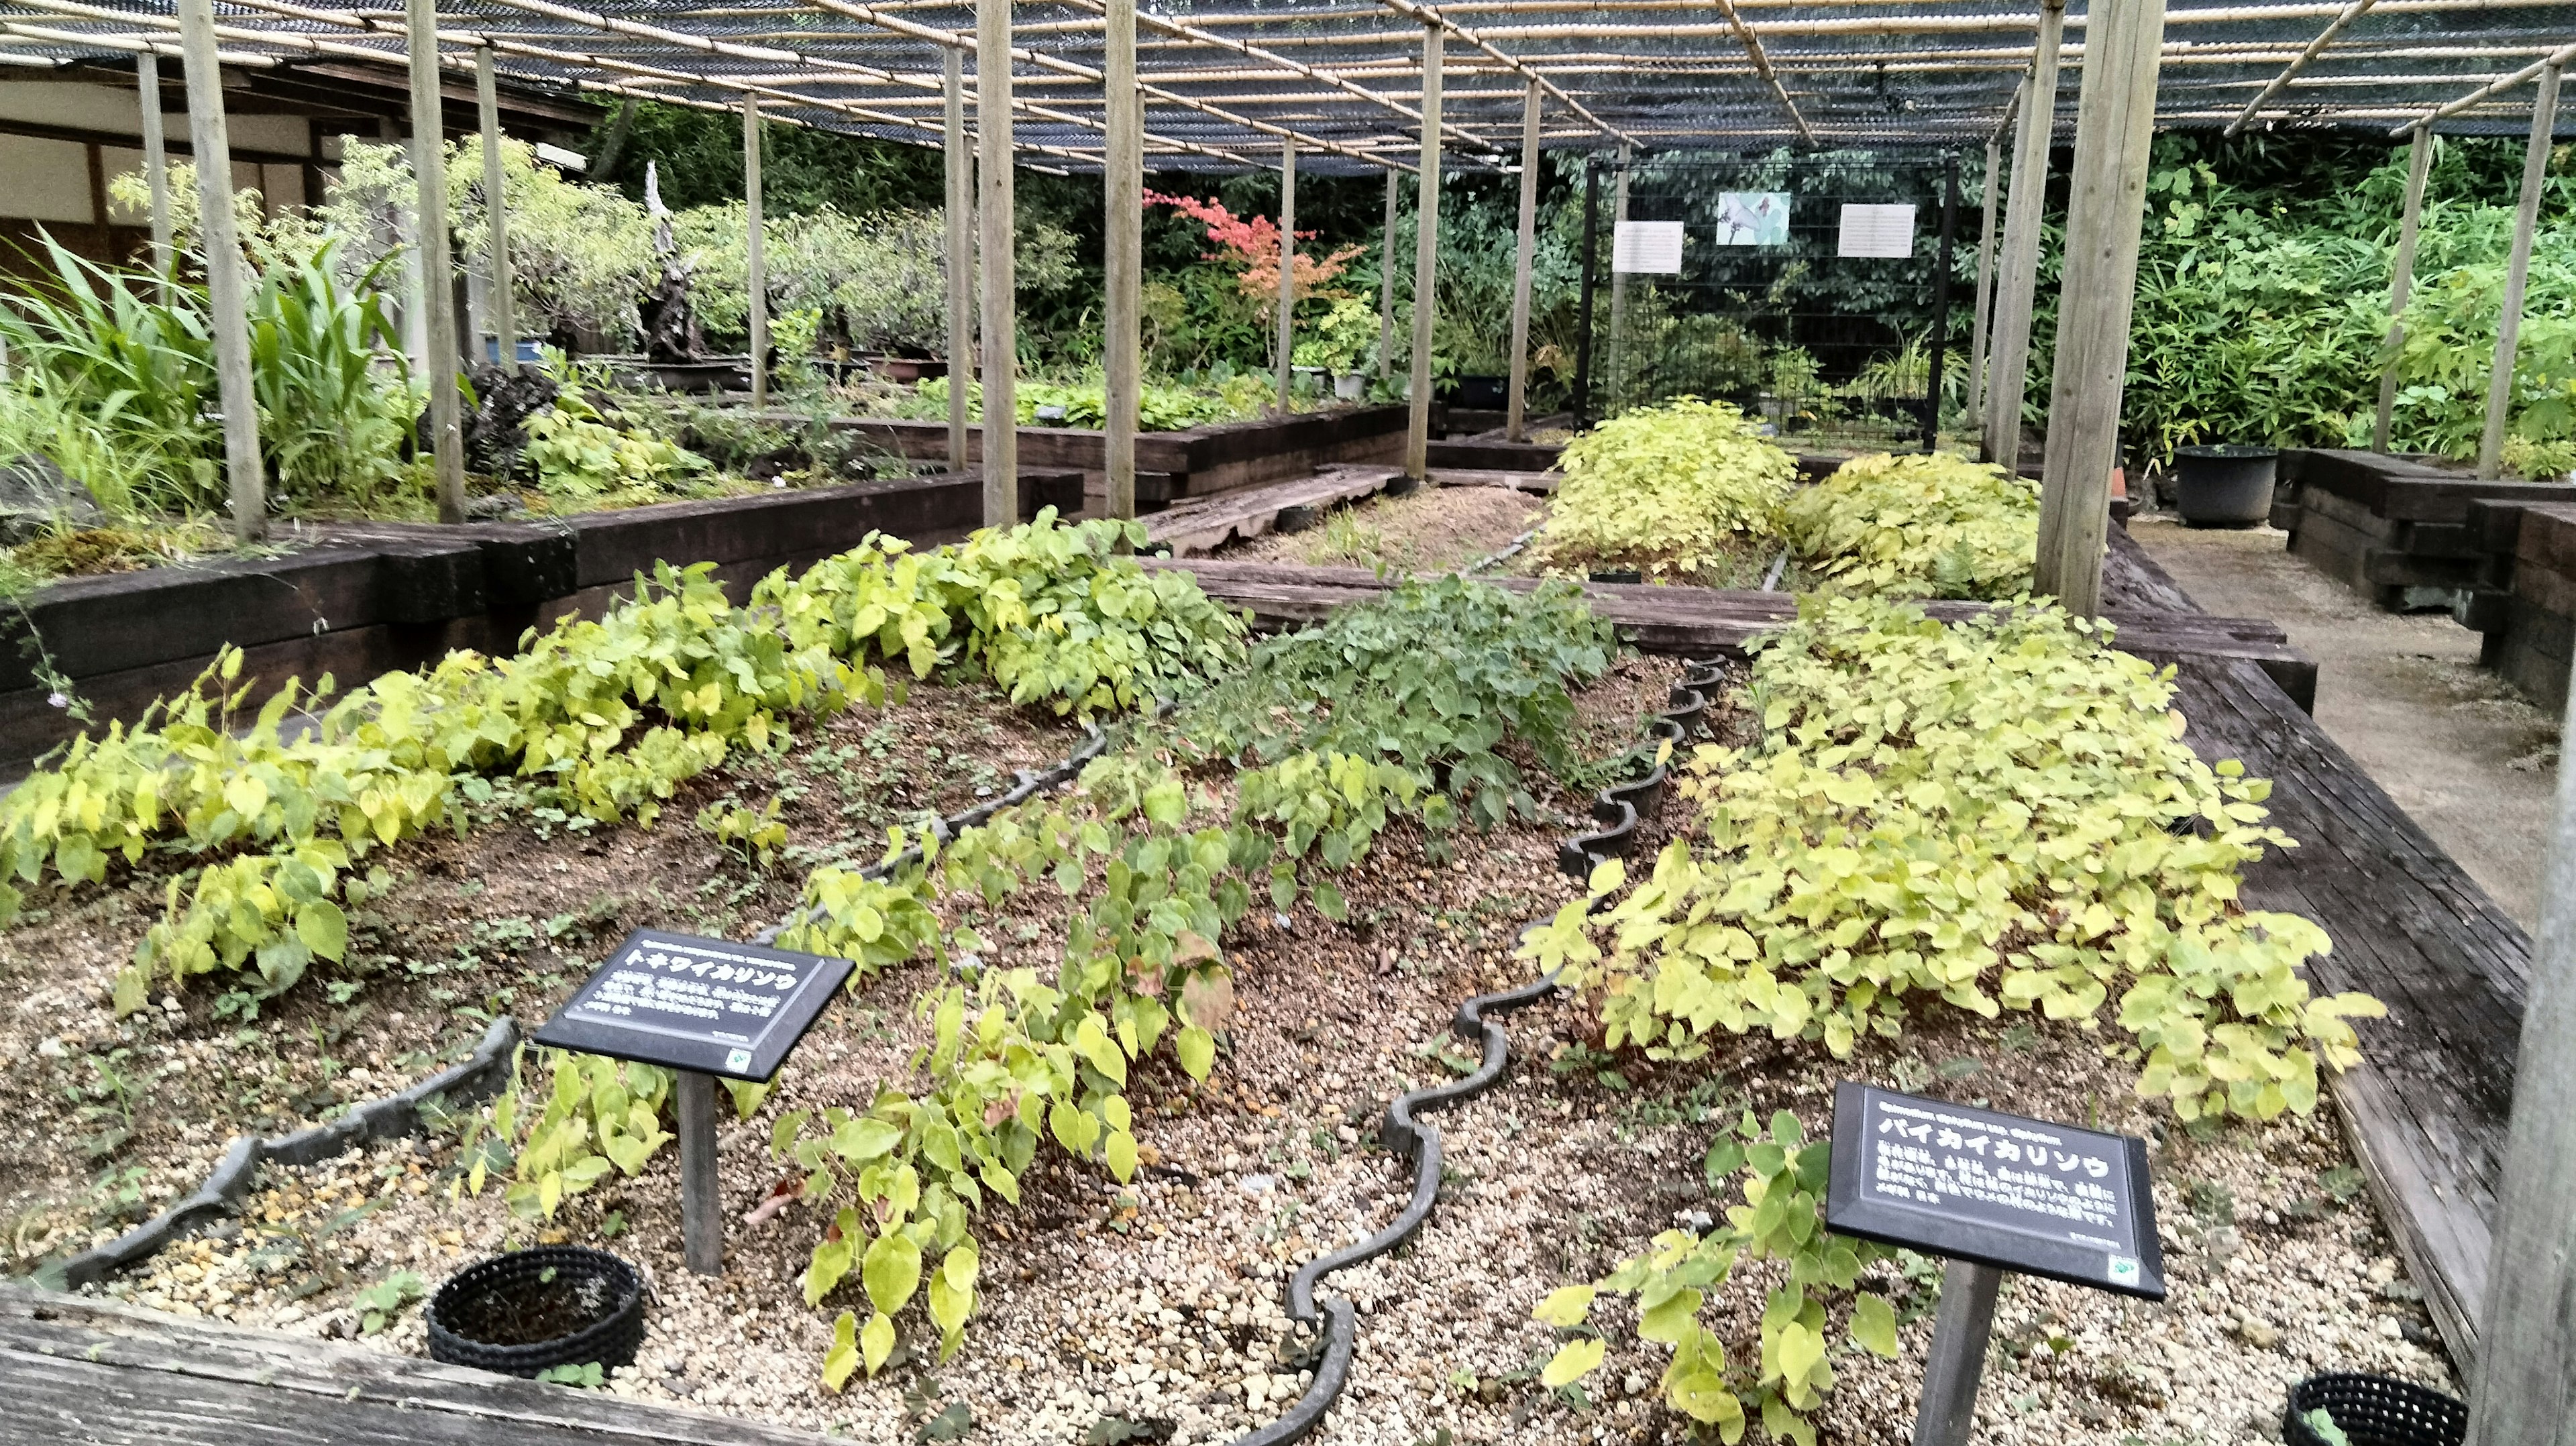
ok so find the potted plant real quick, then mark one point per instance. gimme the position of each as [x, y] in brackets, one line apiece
[530, 1311]
[1336, 344]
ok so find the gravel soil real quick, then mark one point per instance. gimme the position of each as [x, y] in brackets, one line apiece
[104, 1121]
[1434, 529]
[1160, 1304]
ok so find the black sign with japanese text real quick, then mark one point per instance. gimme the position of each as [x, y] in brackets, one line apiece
[1973, 1184]
[697, 1004]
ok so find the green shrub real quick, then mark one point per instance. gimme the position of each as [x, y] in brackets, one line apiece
[1671, 490]
[1917, 526]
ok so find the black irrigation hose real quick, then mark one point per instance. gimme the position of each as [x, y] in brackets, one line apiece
[1418, 1141]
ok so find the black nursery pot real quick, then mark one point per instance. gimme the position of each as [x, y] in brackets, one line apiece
[520, 1313]
[2225, 486]
[2375, 1411]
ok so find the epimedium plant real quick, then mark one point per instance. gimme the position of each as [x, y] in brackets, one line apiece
[603, 718]
[1672, 490]
[1999, 814]
[1916, 526]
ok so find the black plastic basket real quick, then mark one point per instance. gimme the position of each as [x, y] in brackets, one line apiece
[2375, 1411]
[585, 1305]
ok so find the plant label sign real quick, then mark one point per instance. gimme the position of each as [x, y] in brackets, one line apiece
[1646, 248]
[1979, 1185]
[706, 1005]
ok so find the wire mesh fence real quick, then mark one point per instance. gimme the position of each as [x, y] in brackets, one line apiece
[1809, 289]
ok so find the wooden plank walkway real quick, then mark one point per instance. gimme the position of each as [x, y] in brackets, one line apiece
[1694, 620]
[1203, 525]
[2426, 1110]
[81, 1372]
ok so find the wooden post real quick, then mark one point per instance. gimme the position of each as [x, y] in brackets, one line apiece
[1936, 357]
[415, 348]
[1618, 284]
[156, 157]
[701, 1200]
[496, 211]
[755, 261]
[1000, 275]
[2401, 279]
[2517, 273]
[1516, 408]
[1583, 307]
[1956, 1362]
[437, 288]
[1123, 254]
[1386, 287]
[214, 155]
[2524, 1388]
[1974, 418]
[1287, 339]
[961, 262]
[2115, 123]
[1426, 262]
[2008, 362]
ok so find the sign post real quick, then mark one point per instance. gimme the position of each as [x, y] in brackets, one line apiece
[1989, 1193]
[703, 1008]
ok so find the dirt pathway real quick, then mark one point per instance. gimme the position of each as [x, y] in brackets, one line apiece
[2465, 754]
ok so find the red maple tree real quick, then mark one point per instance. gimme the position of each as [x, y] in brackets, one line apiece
[1250, 244]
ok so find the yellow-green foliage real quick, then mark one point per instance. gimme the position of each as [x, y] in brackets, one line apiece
[1665, 489]
[2000, 814]
[604, 718]
[1917, 526]
[1057, 614]
[1784, 1186]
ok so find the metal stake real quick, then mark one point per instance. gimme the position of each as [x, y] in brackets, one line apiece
[1958, 1357]
[701, 1205]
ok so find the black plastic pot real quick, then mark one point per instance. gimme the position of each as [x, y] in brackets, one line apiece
[2375, 1411]
[556, 1305]
[2224, 486]
[1480, 394]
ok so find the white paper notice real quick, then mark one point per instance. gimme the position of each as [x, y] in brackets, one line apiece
[1647, 248]
[1877, 231]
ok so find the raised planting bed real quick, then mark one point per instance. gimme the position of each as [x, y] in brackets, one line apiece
[2524, 605]
[2393, 528]
[1160, 1305]
[355, 600]
[1170, 466]
[1430, 529]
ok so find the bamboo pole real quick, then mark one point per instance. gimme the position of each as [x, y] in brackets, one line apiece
[1974, 418]
[214, 155]
[1386, 289]
[2115, 124]
[496, 211]
[156, 157]
[2008, 362]
[1123, 252]
[961, 260]
[1000, 270]
[2535, 173]
[437, 289]
[1287, 339]
[1618, 288]
[1516, 408]
[1426, 262]
[755, 253]
[2401, 280]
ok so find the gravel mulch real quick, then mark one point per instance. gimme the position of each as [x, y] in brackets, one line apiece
[1160, 1304]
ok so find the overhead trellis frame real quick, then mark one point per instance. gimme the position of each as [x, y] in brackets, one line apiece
[1334, 85]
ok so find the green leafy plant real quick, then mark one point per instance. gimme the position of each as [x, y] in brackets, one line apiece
[1432, 678]
[600, 1116]
[754, 837]
[1916, 526]
[580, 456]
[1673, 490]
[587, 1375]
[380, 1304]
[1781, 1219]
[1998, 814]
